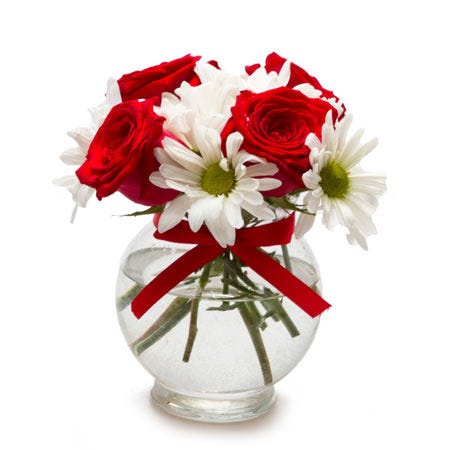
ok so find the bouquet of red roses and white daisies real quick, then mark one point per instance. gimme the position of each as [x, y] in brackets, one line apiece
[205, 149]
[222, 149]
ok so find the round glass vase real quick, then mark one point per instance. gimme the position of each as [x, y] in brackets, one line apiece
[218, 342]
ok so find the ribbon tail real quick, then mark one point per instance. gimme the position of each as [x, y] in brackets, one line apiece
[283, 280]
[179, 270]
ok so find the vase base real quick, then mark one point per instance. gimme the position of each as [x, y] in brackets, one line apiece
[214, 407]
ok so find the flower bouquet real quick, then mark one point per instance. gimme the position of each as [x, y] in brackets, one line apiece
[219, 295]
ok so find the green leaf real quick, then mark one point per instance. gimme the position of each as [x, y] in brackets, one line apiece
[151, 210]
[225, 306]
[284, 203]
[298, 191]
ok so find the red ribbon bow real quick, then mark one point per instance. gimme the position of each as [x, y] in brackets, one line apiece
[246, 249]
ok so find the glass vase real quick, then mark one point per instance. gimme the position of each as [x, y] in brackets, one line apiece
[218, 342]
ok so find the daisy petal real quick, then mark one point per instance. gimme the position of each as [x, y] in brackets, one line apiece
[179, 174]
[174, 213]
[203, 208]
[240, 172]
[83, 137]
[235, 197]
[176, 185]
[195, 192]
[352, 158]
[313, 204]
[232, 212]
[182, 155]
[309, 90]
[247, 184]
[342, 130]
[311, 179]
[261, 170]
[285, 74]
[304, 224]
[74, 213]
[253, 197]
[224, 165]
[208, 144]
[64, 181]
[73, 156]
[233, 144]
[262, 211]
[355, 237]
[163, 157]
[267, 184]
[353, 142]
[83, 194]
[222, 231]
[329, 218]
[113, 95]
[368, 182]
[312, 141]
[242, 157]
[158, 180]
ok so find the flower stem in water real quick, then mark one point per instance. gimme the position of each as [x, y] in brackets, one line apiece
[256, 315]
[226, 274]
[125, 299]
[279, 313]
[204, 278]
[253, 329]
[176, 311]
[286, 257]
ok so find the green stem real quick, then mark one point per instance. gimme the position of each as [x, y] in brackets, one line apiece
[175, 312]
[255, 335]
[225, 306]
[277, 307]
[237, 269]
[233, 281]
[125, 299]
[193, 329]
[226, 274]
[266, 304]
[256, 315]
[286, 257]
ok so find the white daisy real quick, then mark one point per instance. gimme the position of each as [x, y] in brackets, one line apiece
[210, 102]
[215, 187]
[261, 80]
[83, 136]
[337, 185]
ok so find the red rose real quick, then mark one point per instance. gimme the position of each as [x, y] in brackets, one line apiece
[275, 125]
[120, 157]
[152, 82]
[274, 62]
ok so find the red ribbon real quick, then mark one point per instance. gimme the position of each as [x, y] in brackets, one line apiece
[246, 249]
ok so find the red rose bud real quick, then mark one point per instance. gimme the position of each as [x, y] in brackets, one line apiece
[150, 83]
[275, 125]
[121, 155]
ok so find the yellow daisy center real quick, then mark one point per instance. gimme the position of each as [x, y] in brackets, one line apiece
[216, 181]
[334, 180]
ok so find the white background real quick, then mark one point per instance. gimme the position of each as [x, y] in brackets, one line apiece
[377, 375]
